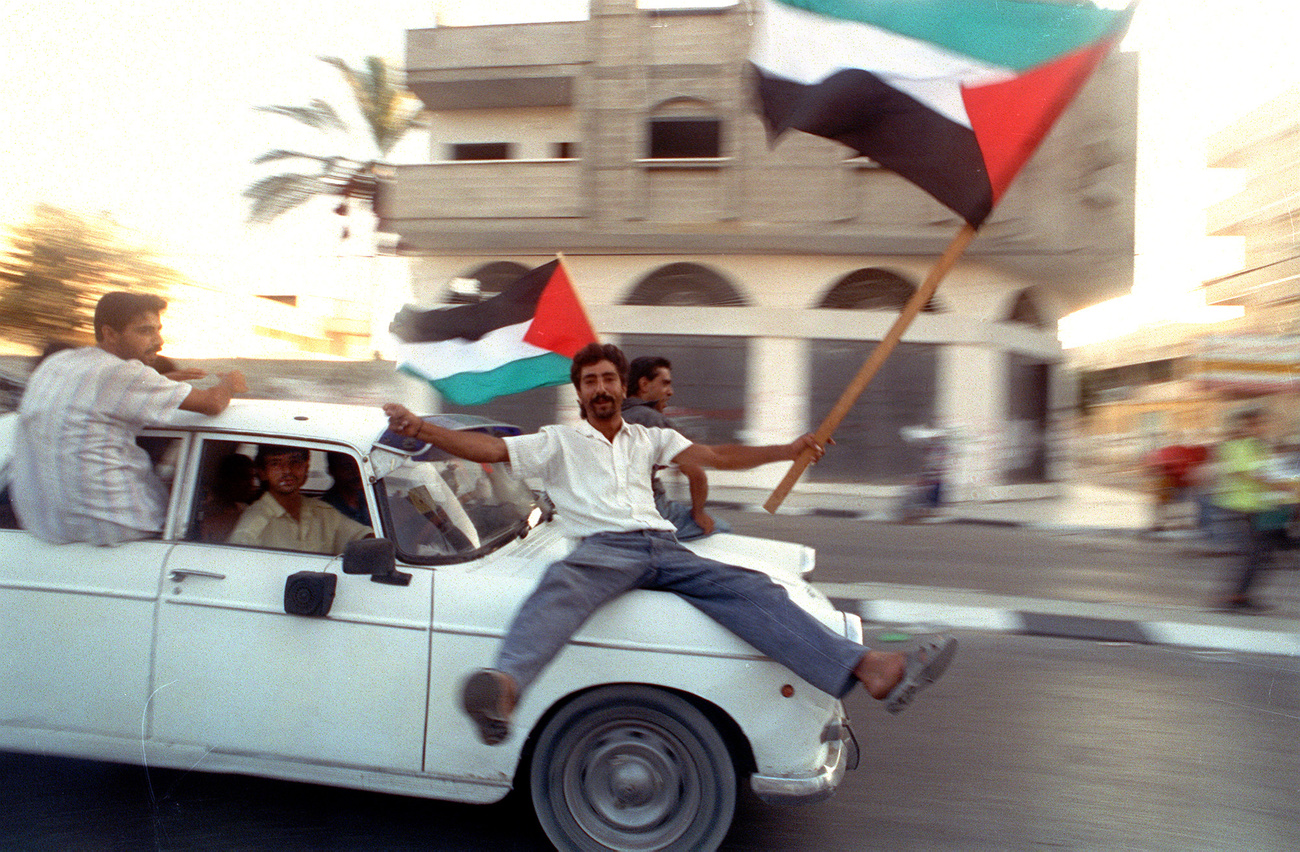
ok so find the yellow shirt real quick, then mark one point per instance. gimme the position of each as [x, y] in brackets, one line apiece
[320, 527]
[1239, 461]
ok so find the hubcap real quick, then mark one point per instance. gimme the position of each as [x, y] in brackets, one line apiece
[632, 785]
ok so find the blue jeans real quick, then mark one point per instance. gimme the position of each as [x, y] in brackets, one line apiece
[680, 516]
[748, 603]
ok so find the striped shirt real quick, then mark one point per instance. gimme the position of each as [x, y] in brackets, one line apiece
[598, 485]
[77, 473]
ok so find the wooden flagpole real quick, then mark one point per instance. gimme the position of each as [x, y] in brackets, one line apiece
[874, 361]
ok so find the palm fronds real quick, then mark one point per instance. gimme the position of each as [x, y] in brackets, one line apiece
[389, 111]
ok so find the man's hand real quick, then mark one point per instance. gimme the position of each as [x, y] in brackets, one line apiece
[234, 381]
[402, 421]
[703, 520]
[806, 443]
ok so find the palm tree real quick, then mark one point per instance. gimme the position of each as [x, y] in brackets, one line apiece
[389, 110]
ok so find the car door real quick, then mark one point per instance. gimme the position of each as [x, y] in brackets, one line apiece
[76, 632]
[235, 673]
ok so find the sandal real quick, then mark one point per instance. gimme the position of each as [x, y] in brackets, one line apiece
[488, 698]
[925, 664]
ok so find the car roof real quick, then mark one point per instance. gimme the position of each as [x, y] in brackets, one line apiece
[361, 426]
[357, 425]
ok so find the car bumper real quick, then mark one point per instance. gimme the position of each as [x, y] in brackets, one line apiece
[841, 757]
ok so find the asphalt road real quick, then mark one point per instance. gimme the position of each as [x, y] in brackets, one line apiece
[1028, 743]
[1019, 561]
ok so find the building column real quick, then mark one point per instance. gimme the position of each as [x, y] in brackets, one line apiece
[976, 419]
[776, 390]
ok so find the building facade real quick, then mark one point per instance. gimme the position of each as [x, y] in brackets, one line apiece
[628, 142]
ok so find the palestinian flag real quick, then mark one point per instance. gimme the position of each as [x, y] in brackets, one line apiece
[953, 95]
[522, 338]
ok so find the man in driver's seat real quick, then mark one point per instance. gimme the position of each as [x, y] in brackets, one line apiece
[285, 519]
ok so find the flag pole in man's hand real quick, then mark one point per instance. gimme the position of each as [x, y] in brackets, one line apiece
[873, 363]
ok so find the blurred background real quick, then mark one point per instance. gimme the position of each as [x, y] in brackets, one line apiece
[289, 177]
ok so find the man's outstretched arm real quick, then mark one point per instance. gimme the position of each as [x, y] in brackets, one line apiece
[743, 457]
[214, 400]
[471, 446]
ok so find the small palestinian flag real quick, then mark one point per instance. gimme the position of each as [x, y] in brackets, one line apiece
[953, 95]
[522, 338]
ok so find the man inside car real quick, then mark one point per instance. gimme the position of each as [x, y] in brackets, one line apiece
[597, 473]
[286, 519]
[77, 472]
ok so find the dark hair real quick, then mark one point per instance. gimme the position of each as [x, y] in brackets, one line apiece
[645, 367]
[594, 353]
[232, 477]
[52, 347]
[118, 308]
[338, 461]
[264, 451]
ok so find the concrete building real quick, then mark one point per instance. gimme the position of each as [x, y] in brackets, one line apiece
[628, 142]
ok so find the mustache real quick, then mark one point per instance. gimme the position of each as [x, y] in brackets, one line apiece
[602, 397]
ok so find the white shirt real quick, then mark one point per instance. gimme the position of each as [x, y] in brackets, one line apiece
[77, 473]
[320, 528]
[598, 485]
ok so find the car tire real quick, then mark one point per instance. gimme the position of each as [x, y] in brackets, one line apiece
[632, 768]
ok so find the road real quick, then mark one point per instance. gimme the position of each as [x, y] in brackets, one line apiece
[1008, 560]
[1028, 743]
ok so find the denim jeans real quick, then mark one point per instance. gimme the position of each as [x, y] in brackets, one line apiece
[1255, 544]
[680, 516]
[748, 603]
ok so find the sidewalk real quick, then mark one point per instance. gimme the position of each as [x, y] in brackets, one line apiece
[1081, 507]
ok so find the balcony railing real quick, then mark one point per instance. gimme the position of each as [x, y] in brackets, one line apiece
[487, 189]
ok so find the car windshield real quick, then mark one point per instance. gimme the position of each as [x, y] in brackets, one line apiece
[444, 509]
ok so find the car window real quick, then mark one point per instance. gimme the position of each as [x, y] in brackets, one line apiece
[226, 485]
[442, 509]
[230, 493]
[164, 452]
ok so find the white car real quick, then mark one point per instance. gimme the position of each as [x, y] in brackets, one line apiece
[187, 652]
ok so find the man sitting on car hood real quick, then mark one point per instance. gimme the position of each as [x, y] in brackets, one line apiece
[597, 472]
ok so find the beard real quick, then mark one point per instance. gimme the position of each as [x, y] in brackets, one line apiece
[601, 399]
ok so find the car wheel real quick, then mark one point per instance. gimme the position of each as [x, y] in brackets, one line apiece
[632, 768]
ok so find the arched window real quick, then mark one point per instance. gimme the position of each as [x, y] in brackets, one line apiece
[872, 290]
[683, 128]
[1025, 310]
[488, 280]
[682, 284]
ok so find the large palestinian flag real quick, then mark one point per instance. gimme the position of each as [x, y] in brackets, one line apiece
[953, 95]
[522, 338]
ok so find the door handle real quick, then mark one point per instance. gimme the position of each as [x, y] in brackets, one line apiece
[182, 573]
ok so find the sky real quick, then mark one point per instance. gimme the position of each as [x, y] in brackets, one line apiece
[143, 109]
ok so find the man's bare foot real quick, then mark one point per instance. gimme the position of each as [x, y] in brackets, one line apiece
[880, 671]
[896, 678]
[489, 699]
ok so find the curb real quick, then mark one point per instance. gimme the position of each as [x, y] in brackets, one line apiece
[1182, 627]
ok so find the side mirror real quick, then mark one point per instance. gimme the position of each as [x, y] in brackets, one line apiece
[376, 557]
